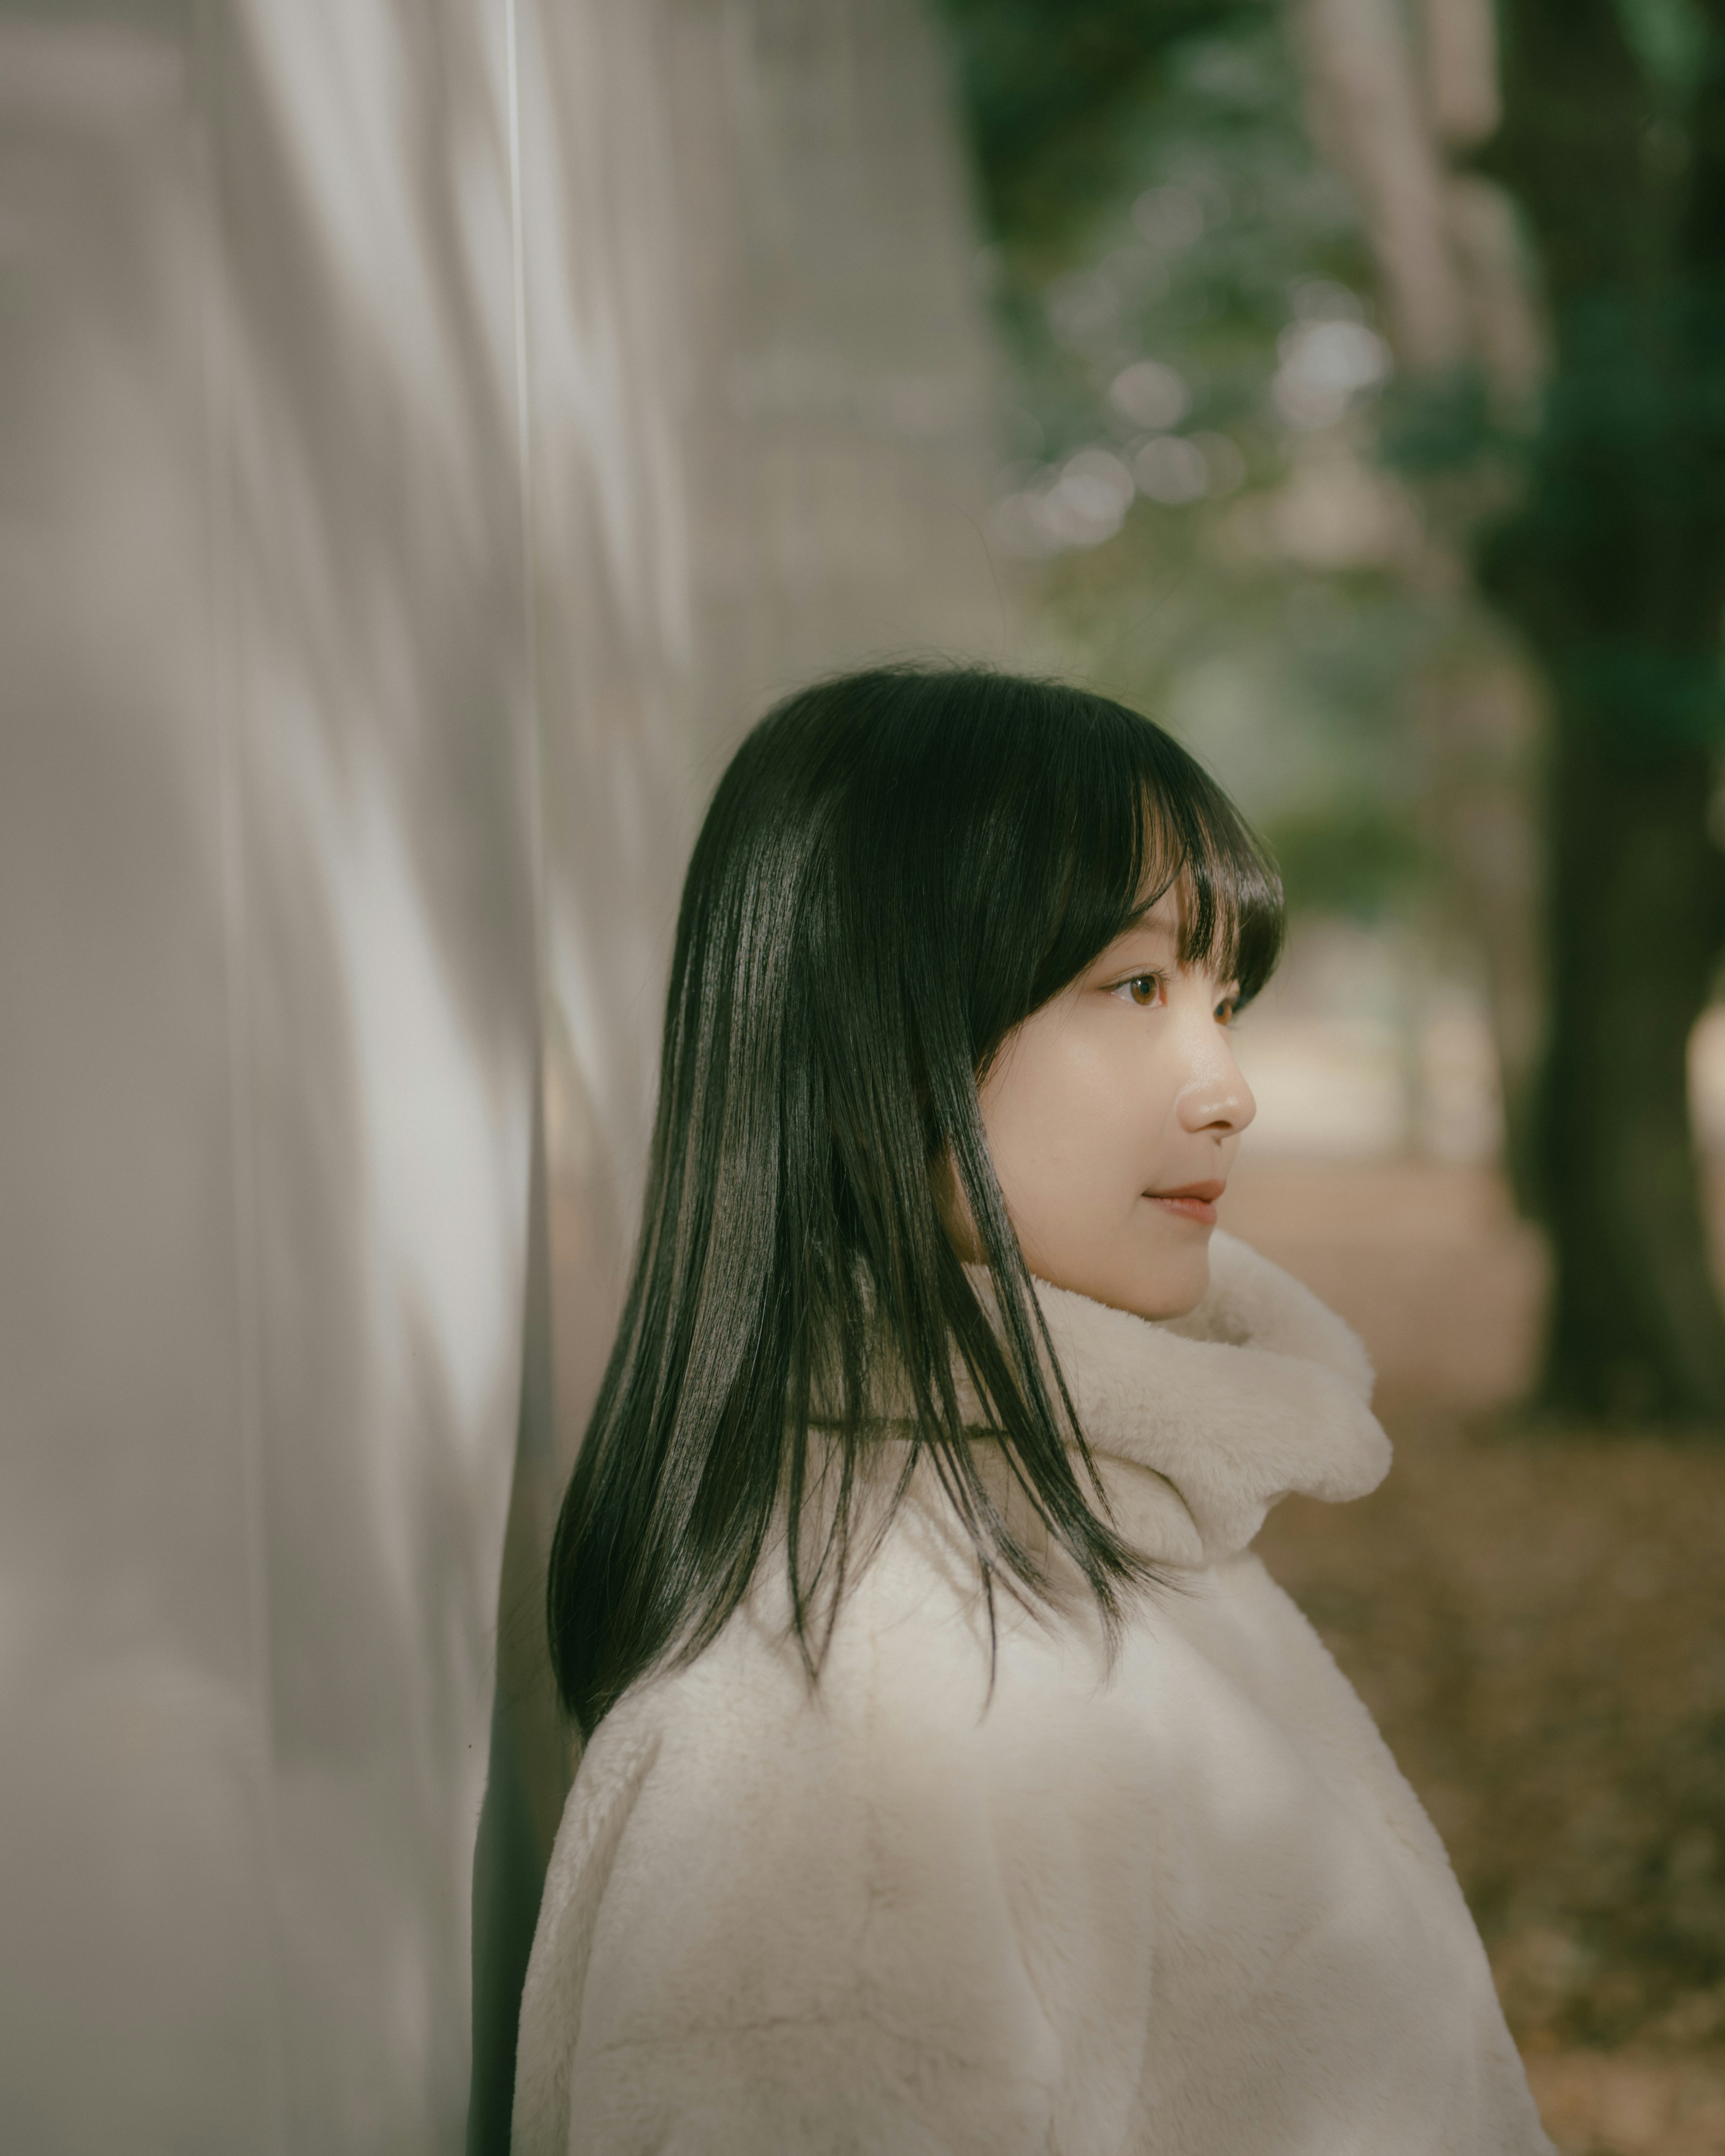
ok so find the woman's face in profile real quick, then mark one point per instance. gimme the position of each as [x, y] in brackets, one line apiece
[1112, 1115]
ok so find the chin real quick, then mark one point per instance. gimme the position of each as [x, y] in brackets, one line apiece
[1178, 1286]
[1172, 1288]
[1156, 1283]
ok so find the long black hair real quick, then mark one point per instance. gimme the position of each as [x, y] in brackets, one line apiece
[898, 867]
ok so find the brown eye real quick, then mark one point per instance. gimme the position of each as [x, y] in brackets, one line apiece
[1144, 989]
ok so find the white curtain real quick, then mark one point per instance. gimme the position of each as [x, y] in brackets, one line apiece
[430, 431]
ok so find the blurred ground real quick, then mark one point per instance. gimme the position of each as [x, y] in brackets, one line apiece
[1537, 1618]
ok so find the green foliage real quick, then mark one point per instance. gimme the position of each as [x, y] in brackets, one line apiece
[1154, 196]
[1054, 92]
[1215, 115]
[1440, 424]
[1668, 39]
[1613, 562]
[1352, 858]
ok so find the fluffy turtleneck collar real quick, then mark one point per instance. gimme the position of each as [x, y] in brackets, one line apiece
[1258, 1393]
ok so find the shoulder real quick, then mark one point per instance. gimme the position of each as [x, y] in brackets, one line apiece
[738, 1783]
[766, 1895]
[598, 1809]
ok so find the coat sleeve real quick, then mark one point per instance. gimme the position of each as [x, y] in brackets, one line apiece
[784, 1955]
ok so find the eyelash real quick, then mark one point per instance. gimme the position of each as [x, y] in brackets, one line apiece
[1227, 1011]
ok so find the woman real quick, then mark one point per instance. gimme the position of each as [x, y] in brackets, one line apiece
[955, 1779]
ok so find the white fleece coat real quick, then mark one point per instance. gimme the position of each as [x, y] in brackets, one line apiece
[1187, 1908]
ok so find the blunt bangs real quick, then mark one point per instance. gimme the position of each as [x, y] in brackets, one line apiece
[1234, 924]
[1142, 816]
[898, 867]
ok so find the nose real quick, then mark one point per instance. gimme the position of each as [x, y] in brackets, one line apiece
[1215, 1096]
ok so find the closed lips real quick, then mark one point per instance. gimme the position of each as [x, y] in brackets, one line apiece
[1195, 1201]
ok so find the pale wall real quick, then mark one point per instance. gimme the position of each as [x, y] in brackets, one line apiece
[365, 667]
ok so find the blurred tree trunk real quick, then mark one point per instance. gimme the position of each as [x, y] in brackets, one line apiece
[1389, 109]
[1613, 569]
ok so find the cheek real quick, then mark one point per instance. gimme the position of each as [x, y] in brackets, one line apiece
[1069, 1128]
[1076, 1127]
